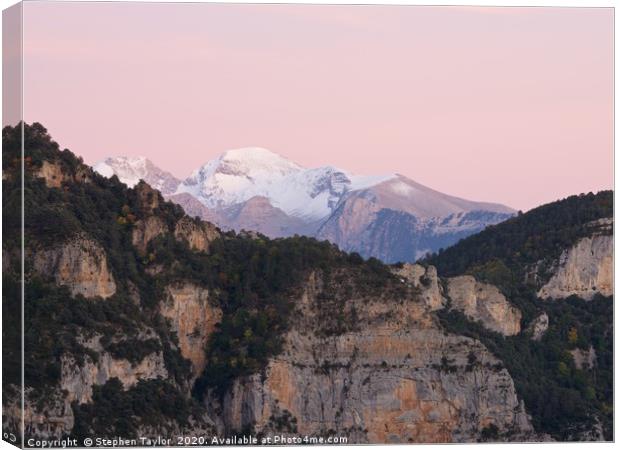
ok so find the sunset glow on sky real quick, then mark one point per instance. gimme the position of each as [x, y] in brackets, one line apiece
[509, 105]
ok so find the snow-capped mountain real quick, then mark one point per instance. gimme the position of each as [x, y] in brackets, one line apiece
[387, 216]
[239, 175]
[130, 170]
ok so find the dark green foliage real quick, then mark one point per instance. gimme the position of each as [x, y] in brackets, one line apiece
[539, 235]
[54, 320]
[490, 433]
[561, 398]
[11, 331]
[253, 281]
[115, 412]
[256, 279]
[133, 350]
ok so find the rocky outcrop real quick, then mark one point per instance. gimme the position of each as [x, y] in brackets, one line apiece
[78, 379]
[397, 379]
[425, 279]
[584, 270]
[54, 174]
[80, 264]
[193, 318]
[51, 419]
[539, 327]
[484, 302]
[148, 199]
[584, 359]
[197, 234]
[151, 225]
[145, 230]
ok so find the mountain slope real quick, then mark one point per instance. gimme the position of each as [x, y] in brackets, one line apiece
[241, 174]
[123, 291]
[130, 170]
[554, 263]
[401, 220]
[389, 217]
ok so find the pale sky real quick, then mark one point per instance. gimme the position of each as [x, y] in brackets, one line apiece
[510, 105]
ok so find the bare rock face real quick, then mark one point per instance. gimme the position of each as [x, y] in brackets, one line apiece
[52, 419]
[484, 302]
[426, 280]
[398, 378]
[80, 264]
[54, 174]
[193, 318]
[584, 270]
[145, 230]
[78, 379]
[198, 235]
[584, 359]
[151, 226]
[539, 326]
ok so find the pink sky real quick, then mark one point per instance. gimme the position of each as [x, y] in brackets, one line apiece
[511, 105]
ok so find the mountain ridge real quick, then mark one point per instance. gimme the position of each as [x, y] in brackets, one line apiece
[123, 289]
[310, 201]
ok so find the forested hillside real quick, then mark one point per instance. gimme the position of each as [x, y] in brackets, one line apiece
[142, 321]
[518, 256]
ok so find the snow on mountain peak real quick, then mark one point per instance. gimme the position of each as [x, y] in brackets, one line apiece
[131, 169]
[255, 162]
[238, 175]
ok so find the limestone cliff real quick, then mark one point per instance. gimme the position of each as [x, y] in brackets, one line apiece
[80, 264]
[193, 317]
[584, 359]
[197, 234]
[396, 378]
[78, 379]
[145, 230]
[484, 302]
[424, 279]
[50, 419]
[53, 416]
[586, 269]
[54, 174]
[538, 327]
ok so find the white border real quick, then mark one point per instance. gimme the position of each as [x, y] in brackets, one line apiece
[566, 3]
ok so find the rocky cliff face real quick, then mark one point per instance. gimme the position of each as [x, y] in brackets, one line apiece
[397, 378]
[539, 326]
[50, 419]
[54, 174]
[484, 302]
[145, 230]
[193, 318]
[78, 379]
[584, 359]
[586, 269]
[362, 350]
[197, 234]
[426, 280]
[80, 264]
